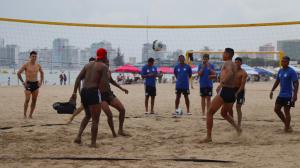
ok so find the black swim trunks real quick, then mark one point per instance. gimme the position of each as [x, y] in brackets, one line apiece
[285, 101]
[228, 94]
[182, 91]
[206, 91]
[240, 99]
[108, 97]
[89, 96]
[32, 86]
[150, 91]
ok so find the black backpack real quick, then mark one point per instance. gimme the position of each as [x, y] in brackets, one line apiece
[64, 107]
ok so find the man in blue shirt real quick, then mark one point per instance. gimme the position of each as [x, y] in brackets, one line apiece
[206, 72]
[149, 73]
[182, 72]
[288, 80]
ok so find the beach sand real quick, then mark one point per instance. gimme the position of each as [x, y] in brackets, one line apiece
[154, 137]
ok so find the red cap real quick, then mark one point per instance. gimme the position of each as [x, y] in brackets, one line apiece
[101, 54]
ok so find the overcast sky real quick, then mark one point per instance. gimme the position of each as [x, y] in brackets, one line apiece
[159, 12]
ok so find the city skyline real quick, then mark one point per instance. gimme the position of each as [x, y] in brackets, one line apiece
[70, 56]
[29, 36]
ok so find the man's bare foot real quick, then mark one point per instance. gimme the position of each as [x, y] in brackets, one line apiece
[123, 133]
[288, 130]
[25, 117]
[114, 135]
[77, 140]
[93, 145]
[30, 116]
[206, 140]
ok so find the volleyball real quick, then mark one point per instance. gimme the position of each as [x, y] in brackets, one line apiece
[179, 112]
[157, 45]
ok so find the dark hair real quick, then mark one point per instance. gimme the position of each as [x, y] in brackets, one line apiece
[230, 51]
[181, 56]
[238, 59]
[92, 59]
[150, 60]
[33, 52]
[205, 56]
[286, 58]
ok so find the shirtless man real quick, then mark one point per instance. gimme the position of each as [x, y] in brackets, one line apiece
[108, 97]
[240, 82]
[94, 75]
[31, 83]
[226, 95]
[80, 108]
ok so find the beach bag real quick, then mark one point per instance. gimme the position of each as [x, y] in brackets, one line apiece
[64, 107]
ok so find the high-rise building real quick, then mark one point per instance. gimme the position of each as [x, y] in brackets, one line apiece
[111, 52]
[23, 57]
[70, 57]
[59, 51]
[132, 60]
[84, 56]
[12, 54]
[1, 43]
[147, 52]
[45, 57]
[290, 48]
[267, 47]
[9, 55]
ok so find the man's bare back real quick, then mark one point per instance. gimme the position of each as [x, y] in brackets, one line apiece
[93, 74]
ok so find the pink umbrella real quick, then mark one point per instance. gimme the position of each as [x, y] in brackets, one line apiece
[165, 70]
[127, 68]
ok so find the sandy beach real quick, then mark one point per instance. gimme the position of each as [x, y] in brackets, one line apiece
[154, 137]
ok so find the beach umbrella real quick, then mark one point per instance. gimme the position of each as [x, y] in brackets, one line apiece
[262, 71]
[127, 68]
[249, 70]
[166, 70]
[195, 69]
[293, 67]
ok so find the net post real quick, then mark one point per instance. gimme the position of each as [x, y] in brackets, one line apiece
[189, 62]
[281, 55]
